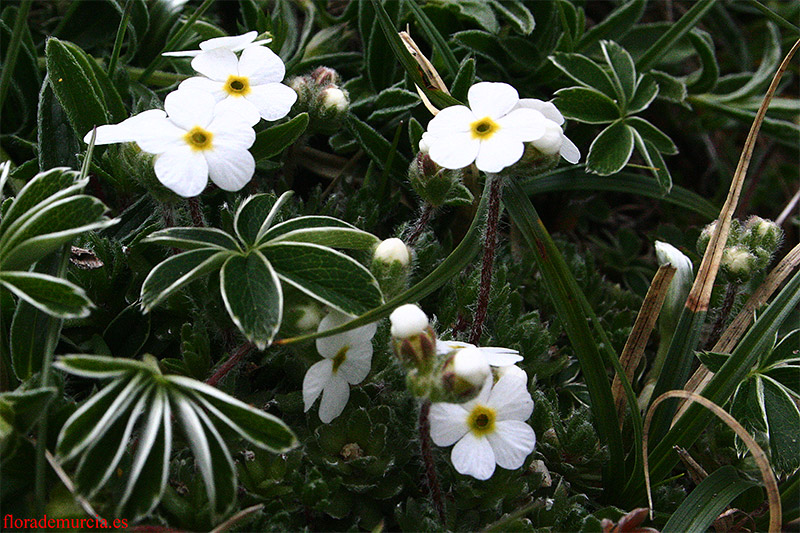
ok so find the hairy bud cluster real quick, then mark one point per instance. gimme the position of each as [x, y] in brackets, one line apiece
[320, 95]
[749, 248]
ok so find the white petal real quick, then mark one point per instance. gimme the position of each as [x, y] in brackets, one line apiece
[230, 169]
[239, 108]
[448, 423]
[183, 53]
[330, 346]
[231, 43]
[334, 398]
[159, 136]
[129, 129]
[548, 109]
[499, 152]
[483, 396]
[511, 399]
[445, 347]
[474, 457]
[408, 320]
[273, 100]
[230, 130]
[182, 170]
[315, 380]
[189, 108]
[356, 364]
[524, 124]
[512, 441]
[456, 118]
[206, 85]
[569, 151]
[261, 65]
[514, 371]
[216, 64]
[501, 356]
[456, 150]
[550, 143]
[490, 99]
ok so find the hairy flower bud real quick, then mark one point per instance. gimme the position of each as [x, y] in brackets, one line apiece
[436, 185]
[390, 266]
[678, 288]
[739, 263]
[392, 250]
[413, 340]
[463, 374]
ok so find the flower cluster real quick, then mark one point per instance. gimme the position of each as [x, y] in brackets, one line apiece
[493, 130]
[206, 127]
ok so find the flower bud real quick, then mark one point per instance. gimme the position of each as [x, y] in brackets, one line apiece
[335, 99]
[308, 317]
[463, 374]
[390, 266]
[413, 340]
[678, 288]
[392, 250]
[739, 263]
[436, 185]
[762, 233]
[325, 77]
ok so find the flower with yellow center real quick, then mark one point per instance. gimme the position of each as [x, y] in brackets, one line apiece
[491, 132]
[347, 360]
[249, 85]
[193, 139]
[488, 430]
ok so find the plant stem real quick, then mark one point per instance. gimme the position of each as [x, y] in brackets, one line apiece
[427, 458]
[489, 246]
[422, 222]
[228, 365]
[13, 49]
[196, 212]
[53, 332]
[727, 304]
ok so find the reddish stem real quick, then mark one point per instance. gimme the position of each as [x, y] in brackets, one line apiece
[424, 218]
[196, 212]
[426, 451]
[228, 365]
[489, 246]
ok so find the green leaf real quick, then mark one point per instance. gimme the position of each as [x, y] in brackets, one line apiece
[759, 79]
[95, 417]
[713, 361]
[670, 88]
[147, 477]
[379, 67]
[586, 105]
[253, 297]
[28, 337]
[194, 238]
[257, 427]
[783, 419]
[705, 503]
[100, 461]
[517, 14]
[99, 366]
[128, 332]
[623, 71]
[75, 86]
[175, 272]
[465, 78]
[55, 296]
[376, 146]
[584, 71]
[43, 188]
[706, 79]
[615, 24]
[646, 92]
[210, 454]
[58, 143]
[23, 408]
[275, 139]
[650, 133]
[674, 34]
[326, 231]
[256, 214]
[787, 349]
[327, 275]
[654, 162]
[436, 39]
[783, 130]
[611, 150]
[391, 102]
[477, 11]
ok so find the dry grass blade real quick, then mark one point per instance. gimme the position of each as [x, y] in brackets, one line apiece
[696, 472]
[770, 483]
[700, 294]
[739, 325]
[429, 74]
[642, 328]
[235, 519]
[70, 486]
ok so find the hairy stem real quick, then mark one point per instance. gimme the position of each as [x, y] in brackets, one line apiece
[427, 458]
[727, 305]
[421, 224]
[228, 365]
[489, 246]
[196, 212]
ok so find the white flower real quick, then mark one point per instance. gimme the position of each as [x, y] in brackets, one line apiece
[250, 84]
[408, 320]
[494, 356]
[393, 250]
[234, 44]
[347, 360]
[553, 141]
[513, 371]
[491, 132]
[470, 364]
[487, 430]
[193, 143]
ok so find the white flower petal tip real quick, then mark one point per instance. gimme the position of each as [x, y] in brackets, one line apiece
[513, 371]
[495, 356]
[490, 430]
[347, 360]
[669, 255]
[408, 320]
[233, 43]
[392, 250]
[489, 133]
[470, 365]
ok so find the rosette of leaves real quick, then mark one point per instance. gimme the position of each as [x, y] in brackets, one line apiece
[139, 398]
[767, 401]
[47, 213]
[611, 93]
[261, 256]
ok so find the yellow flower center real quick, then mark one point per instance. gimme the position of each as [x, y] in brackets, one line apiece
[484, 128]
[481, 420]
[339, 358]
[237, 85]
[199, 139]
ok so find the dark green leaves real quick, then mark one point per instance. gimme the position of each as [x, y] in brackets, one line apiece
[610, 151]
[140, 399]
[587, 105]
[263, 254]
[275, 139]
[54, 296]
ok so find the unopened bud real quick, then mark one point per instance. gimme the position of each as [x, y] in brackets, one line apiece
[738, 263]
[434, 184]
[762, 233]
[550, 143]
[391, 251]
[325, 76]
[308, 317]
[413, 340]
[334, 102]
[424, 146]
[463, 374]
[678, 288]
[390, 266]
